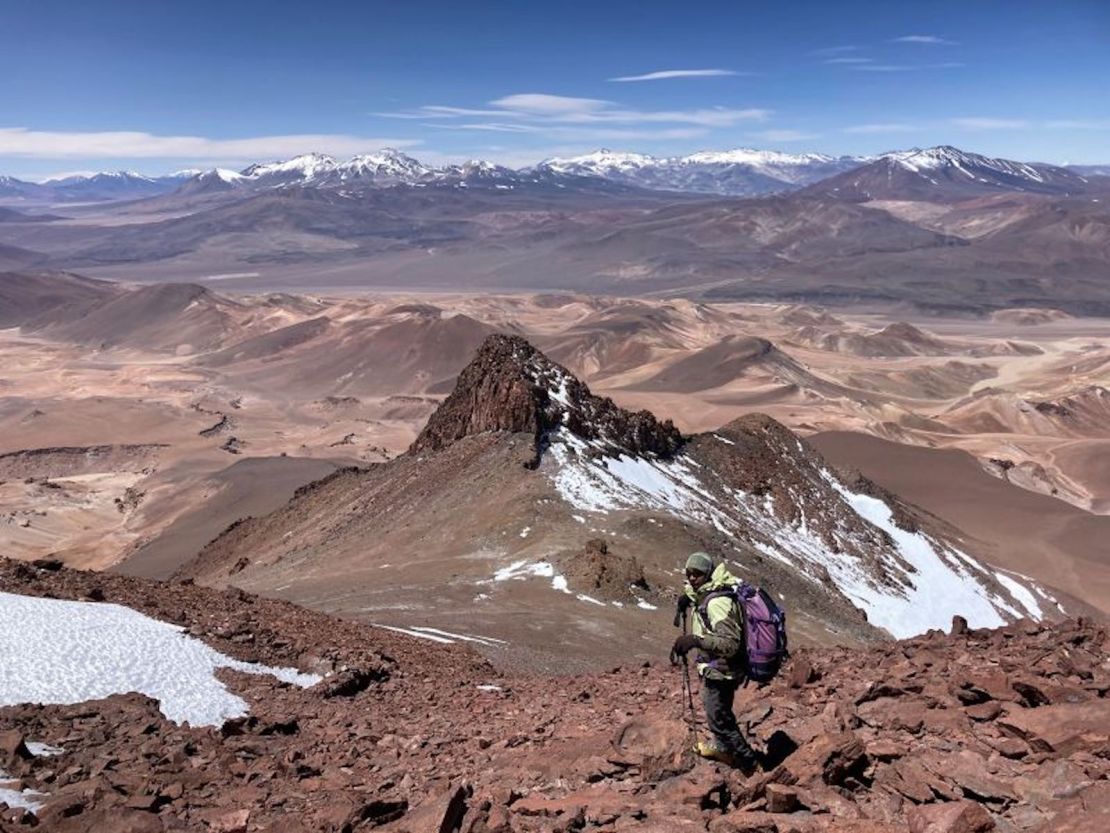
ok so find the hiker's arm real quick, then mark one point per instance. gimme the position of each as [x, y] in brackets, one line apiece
[725, 638]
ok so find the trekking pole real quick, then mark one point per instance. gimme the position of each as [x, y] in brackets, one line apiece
[689, 712]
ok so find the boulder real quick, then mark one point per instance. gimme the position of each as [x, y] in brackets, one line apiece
[954, 817]
[1062, 728]
[12, 748]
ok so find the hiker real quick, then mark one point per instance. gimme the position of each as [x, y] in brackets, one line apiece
[718, 634]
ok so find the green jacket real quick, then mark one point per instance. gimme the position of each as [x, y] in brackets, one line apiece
[723, 639]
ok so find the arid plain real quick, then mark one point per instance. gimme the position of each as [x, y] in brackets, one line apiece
[143, 441]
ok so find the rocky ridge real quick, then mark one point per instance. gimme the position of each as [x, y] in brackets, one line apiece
[511, 386]
[977, 730]
[752, 492]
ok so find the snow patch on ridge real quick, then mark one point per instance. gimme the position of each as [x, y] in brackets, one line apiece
[66, 652]
[937, 590]
[923, 582]
[21, 799]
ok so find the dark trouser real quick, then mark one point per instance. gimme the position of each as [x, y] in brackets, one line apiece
[717, 697]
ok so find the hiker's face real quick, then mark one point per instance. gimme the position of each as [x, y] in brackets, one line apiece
[696, 578]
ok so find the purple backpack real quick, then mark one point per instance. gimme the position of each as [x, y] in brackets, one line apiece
[764, 629]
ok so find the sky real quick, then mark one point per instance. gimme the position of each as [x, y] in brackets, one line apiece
[161, 86]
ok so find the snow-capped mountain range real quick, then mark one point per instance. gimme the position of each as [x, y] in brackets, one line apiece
[742, 172]
[946, 172]
[104, 186]
[739, 172]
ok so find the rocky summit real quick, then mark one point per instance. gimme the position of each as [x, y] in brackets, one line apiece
[511, 386]
[966, 732]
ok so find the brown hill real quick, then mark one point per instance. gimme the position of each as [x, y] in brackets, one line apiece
[175, 317]
[730, 359]
[399, 353]
[36, 300]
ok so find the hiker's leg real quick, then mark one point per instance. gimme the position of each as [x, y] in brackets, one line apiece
[717, 697]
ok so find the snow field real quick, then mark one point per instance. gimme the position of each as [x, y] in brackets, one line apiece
[66, 652]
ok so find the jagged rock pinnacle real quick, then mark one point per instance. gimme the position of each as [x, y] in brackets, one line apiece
[511, 386]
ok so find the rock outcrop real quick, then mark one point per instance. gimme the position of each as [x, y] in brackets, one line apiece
[511, 386]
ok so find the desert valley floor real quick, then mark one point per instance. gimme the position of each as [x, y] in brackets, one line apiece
[134, 435]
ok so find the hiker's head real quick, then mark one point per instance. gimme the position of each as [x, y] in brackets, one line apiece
[699, 567]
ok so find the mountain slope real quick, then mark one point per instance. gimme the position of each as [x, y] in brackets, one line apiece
[429, 730]
[37, 300]
[944, 174]
[494, 505]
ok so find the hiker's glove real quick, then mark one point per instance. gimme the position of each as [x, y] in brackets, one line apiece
[684, 644]
[680, 608]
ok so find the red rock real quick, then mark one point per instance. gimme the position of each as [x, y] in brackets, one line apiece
[984, 711]
[831, 759]
[742, 822]
[229, 821]
[801, 673]
[1087, 812]
[702, 788]
[1009, 747]
[781, 799]
[442, 813]
[1062, 728]
[12, 748]
[954, 817]
[885, 749]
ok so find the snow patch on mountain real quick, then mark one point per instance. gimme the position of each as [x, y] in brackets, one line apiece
[920, 584]
[21, 799]
[69, 652]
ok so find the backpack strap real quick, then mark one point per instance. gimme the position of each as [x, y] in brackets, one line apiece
[703, 605]
[730, 592]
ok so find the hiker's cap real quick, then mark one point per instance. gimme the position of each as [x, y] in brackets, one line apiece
[700, 562]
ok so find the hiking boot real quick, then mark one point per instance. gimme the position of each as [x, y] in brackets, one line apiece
[745, 762]
[712, 752]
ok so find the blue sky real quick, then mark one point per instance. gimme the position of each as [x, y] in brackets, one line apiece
[156, 86]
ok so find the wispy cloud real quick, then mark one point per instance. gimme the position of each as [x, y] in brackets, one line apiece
[784, 135]
[849, 60]
[664, 74]
[906, 67]
[129, 144]
[544, 104]
[577, 134]
[933, 40]
[544, 109]
[988, 123]
[880, 127]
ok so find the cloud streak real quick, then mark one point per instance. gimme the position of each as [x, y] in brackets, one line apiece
[905, 67]
[665, 74]
[544, 109]
[932, 40]
[131, 144]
